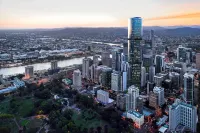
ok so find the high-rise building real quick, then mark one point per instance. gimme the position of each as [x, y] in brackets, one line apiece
[92, 72]
[158, 79]
[85, 68]
[116, 81]
[198, 60]
[143, 77]
[147, 61]
[134, 55]
[184, 54]
[125, 69]
[159, 63]
[105, 58]
[96, 60]
[103, 96]
[189, 88]
[29, 71]
[54, 65]
[105, 77]
[151, 74]
[77, 83]
[125, 51]
[153, 100]
[139, 107]
[121, 101]
[161, 95]
[175, 79]
[182, 114]
[131, 98]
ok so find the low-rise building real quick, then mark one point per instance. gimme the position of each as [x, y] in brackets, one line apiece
[103, 96]
[136, 117]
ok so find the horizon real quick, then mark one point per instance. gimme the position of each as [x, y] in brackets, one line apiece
[65, 13]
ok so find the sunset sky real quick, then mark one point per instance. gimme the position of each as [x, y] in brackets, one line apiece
[96, 13]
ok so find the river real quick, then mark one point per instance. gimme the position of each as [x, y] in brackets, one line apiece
[40, 66]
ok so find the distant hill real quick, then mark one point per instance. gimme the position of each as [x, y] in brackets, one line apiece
[184, 31]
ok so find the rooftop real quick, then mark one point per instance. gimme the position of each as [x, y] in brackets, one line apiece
[138, 115]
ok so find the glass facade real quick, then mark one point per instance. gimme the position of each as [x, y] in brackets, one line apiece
[134, 49]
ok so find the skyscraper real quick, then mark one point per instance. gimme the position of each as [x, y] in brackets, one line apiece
[54, 65]
[143, 77]
[116, 81]
[134, 55]
[184, 54]
[125, 51]
[125, 69]
[29, 71]
[131, 98]
[159, 63]
[189, 88]
[85, 68]
[161, 97]
[106, 77]
[105, 58]
[77, 83]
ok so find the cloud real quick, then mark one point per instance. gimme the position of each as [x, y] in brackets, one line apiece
[180, 16]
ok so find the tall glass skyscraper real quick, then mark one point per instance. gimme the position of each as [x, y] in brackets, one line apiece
[134, 50]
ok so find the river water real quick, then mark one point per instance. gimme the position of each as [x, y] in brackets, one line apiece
[40, 66]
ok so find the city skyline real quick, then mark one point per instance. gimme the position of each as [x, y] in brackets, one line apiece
[64, 13]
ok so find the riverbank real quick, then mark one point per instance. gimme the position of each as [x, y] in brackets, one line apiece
[45, 60]
[41, 66]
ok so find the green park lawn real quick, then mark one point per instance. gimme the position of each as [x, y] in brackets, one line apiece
[88, 120]
[22, 107]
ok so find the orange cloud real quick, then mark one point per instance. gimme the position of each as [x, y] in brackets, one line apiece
[180, 16]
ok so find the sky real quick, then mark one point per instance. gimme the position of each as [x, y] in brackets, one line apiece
[96, 13]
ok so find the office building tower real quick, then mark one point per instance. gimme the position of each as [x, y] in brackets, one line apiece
[175, 78]
[125, 51]
[29, 71]
[158, 79]
[150, 87]
[198, 60]
[125, 70]
[143, 77]
[182, 114]
[134, 55]
[105, 77]
[121, 101]
[184, 54]
[103, 96]
[116, 81]
[147, 61]
[85, 68]
[139, 107]
[105, 58]
[54, 65]
[151, 74]
[189, 88]
[159, 63]
[77, 83]
[131, 98]
[117, 59]
[96, 60]
[152, 38]
[153, 100]
[161, 95]
[92, 72]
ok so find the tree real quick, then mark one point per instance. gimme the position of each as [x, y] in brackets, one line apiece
[2, 97]
[46, 106]
[68, 114]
